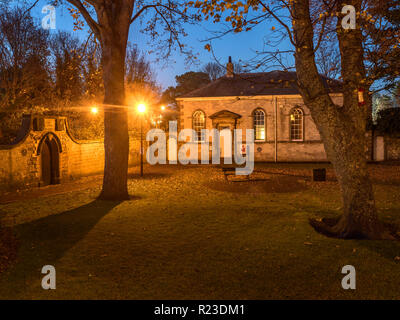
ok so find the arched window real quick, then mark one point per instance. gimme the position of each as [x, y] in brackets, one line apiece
[199, 123]
[259, 125]
[296, 125]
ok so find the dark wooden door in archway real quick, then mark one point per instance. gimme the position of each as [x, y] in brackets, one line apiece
[46, 164]
[50, 162]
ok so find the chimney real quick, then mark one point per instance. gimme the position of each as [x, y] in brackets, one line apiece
[229, 68]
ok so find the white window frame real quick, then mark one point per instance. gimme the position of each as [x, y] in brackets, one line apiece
[299, 123]
[256, 113]
[199, 137]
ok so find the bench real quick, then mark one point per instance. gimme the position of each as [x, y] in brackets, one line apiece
[230, 171]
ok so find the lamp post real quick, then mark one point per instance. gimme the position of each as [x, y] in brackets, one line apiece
[142, 110]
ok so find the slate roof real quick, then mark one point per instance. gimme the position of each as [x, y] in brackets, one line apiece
[257, 84]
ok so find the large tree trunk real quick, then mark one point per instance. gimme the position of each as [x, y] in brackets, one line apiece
[114, 19]
[342, 128]
[345, 146]
[116, 138]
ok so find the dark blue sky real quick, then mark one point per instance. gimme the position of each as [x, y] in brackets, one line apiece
[239, 46]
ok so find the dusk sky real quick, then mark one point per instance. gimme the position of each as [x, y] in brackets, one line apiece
[239, 46]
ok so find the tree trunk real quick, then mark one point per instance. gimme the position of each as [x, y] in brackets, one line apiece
[116, 138]
[114, 19]
[345, 147]
[342, 128]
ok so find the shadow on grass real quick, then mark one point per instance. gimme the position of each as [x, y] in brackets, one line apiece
[148, 176]
[385, 248]
[387, 182]
[274, 184]
[44, 241]
[388, 249]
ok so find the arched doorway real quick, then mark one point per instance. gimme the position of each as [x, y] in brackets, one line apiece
[49, 150]
[225, 121]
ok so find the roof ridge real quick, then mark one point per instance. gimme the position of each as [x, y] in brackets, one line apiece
[273, 82]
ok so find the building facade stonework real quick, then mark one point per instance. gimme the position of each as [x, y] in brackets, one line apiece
[277, 143]
[269, 103]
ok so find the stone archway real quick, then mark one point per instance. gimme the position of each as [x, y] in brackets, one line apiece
[49, 150]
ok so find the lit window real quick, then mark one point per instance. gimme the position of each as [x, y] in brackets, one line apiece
[199, 123]
[259, 125]
[296, 125]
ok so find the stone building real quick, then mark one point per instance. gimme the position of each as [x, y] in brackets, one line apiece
[269, 103]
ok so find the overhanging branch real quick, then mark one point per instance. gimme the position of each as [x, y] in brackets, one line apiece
[86, 15]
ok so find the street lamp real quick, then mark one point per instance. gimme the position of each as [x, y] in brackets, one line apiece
[94, 110]
[141, 109]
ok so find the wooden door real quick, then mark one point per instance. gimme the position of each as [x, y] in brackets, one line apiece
[46, 163]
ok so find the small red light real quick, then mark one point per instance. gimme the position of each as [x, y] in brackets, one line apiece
[361, 100]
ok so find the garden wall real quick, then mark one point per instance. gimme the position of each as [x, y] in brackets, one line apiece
[45, 152]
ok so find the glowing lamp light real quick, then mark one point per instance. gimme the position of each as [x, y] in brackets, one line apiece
[141, 108]
[162, 108]
[94, 110]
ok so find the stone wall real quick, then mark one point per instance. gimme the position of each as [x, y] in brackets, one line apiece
[21, 165]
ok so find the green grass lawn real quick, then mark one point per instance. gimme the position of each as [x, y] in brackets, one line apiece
[188, 234]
